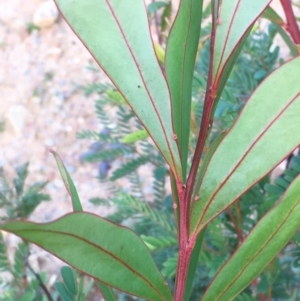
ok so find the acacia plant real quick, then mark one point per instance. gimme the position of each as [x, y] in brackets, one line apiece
[117, 34]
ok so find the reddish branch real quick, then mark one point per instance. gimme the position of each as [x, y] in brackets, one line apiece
[292, 25]
[185, 192]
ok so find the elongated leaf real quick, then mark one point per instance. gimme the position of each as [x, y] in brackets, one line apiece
[287, 39]
[264, 242]
[206, 160]
[271, 15]
[234, 19]
[69, 279]
[107, 252]
[69, 184]
[264, 134]
[63, 291]
[106, 292]
[180, 62]
[116, 32]
[193, 266]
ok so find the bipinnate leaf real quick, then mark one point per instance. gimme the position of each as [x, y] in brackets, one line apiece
[116, 32]
[69, 184]
[264, 242]
[107, 252]
[266, 131]
[233, 20]
[180, 62]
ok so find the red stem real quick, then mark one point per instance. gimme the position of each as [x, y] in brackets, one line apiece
[185, 192]
[292, 25]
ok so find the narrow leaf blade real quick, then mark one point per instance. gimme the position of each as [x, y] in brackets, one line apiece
[264, 134]
[107, 292]
[234, 18]
[180, 61]
[116, 32]
[107, 252]
[69, 184]
[264, 242]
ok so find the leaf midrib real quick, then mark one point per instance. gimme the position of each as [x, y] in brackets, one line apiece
[107, 252]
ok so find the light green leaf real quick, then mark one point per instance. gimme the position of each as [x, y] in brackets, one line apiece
[135, 136]
[180, 62]
[69, 184]
[107, 252]
[264, 242]
[266, 131]
[116, 32]
[234, 18]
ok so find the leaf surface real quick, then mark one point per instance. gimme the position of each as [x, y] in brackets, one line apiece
[116, 32]
[266, 131]
[180, 62]
[234, 18]
[264, 242]
[107, 252]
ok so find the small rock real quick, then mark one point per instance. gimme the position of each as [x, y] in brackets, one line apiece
[45, 15]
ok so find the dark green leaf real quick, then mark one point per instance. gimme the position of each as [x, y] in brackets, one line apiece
[63, 291]
[69, 279]
[107, 292]
[180, 62]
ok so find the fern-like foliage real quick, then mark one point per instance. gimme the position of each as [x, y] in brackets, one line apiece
[18, 201]
[17, 281]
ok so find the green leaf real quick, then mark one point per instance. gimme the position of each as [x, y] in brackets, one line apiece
[271, 15]
[63, 291]
[206, 160]
[264, 134]
[180, 62]
[116, 32]
[264, 242]
[287, 39]
[68, 182]
[69, 279]
[107, 292]
[136, 136]
[233, 20]
[95, 246]
[193, 266]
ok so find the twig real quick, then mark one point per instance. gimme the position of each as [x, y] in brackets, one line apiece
[292, 25]
[40, 281]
